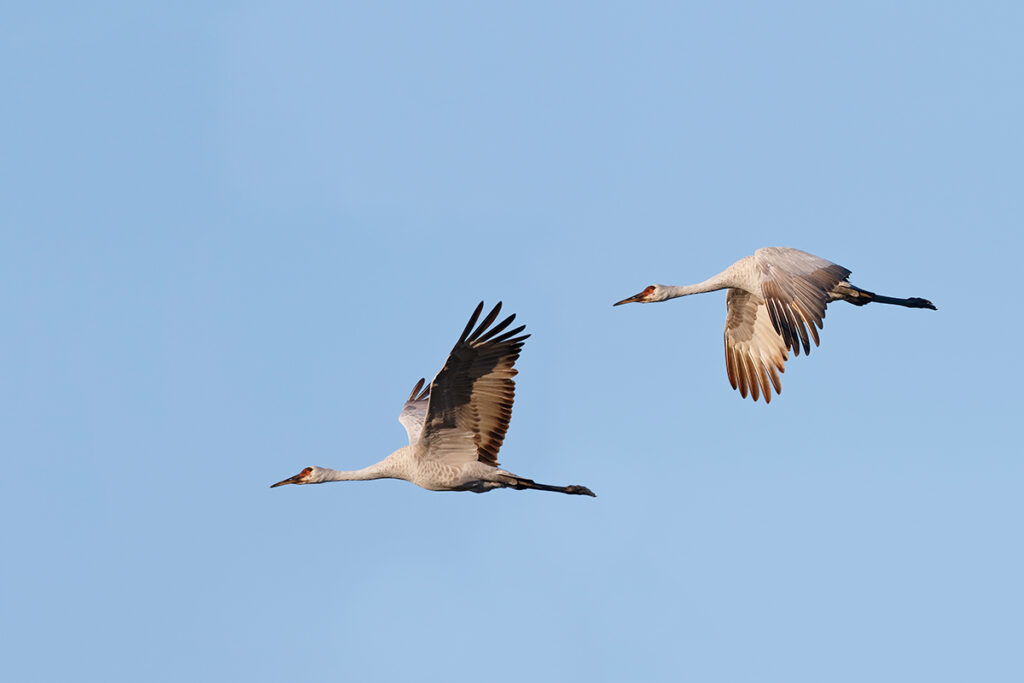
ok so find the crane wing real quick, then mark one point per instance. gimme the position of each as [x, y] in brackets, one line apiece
[471, 397]
[414, 411]
[795, 286]
[755, 353]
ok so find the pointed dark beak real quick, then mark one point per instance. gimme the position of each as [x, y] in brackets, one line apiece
[635, 297]
[290, 480]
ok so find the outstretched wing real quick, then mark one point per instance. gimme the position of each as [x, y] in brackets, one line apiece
[795, 286]
[471, 397]
[414, 412]
[755, 353]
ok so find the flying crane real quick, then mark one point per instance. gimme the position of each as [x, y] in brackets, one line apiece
[776, 302]
[457, 423]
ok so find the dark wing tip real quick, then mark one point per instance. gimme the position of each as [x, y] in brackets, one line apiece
[486, 322]
[508, 336]
[472, 321]
[495, 330]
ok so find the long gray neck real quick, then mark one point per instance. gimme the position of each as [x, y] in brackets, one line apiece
[376, 471]
[710, 285]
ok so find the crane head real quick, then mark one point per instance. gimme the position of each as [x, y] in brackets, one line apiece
[642, 298]
[303, 477]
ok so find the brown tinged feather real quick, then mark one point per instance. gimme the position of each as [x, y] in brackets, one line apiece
[754, 352]
[473, 393]
[416, 389]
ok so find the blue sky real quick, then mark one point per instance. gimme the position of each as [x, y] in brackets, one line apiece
[233, 237]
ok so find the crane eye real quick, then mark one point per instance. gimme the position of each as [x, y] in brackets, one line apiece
[306, 472]
[649, 290]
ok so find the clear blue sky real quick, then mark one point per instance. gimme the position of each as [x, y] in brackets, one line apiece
[233, 237]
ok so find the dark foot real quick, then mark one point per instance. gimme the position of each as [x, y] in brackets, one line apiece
[577, 490]
[918, 302]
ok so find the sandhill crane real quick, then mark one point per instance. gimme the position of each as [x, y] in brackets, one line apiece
[456, 424]
[775, 299]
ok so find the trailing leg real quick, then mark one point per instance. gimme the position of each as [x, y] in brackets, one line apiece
[912, 302]
[859, 297]
[519, 484]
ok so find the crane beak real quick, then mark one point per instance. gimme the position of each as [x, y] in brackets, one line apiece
[290, 480]
[635, 298]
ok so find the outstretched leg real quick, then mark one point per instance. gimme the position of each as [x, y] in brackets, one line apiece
[912, 302]
[575, 490]
[859, 297]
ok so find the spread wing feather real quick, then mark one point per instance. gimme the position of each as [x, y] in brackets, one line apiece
[470, 402]
[796, 288]
[755, 353]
